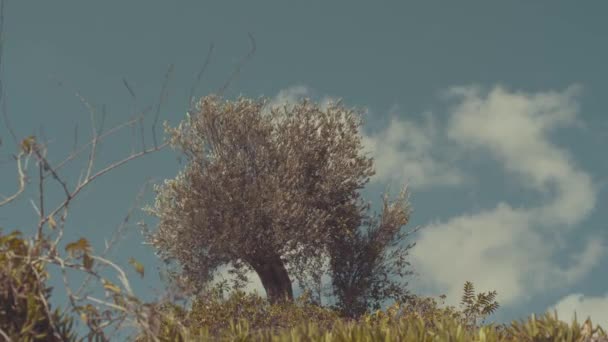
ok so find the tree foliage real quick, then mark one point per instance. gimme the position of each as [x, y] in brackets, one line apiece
[275, 190]
[365, 265]
[25, 312]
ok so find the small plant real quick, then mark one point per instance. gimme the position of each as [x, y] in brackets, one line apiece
[480, 308]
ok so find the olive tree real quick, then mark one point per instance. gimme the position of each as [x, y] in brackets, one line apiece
[276, 191]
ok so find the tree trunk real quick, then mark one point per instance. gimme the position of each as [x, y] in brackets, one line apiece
[274, 277]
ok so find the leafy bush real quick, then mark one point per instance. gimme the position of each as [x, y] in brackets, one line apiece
[258, 312]
[214, 313]
[25, 314]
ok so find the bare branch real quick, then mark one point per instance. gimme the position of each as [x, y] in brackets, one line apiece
[161, 100]
[35, 207]
[44, 165]
[47, 167]
[122, 276]
[103, 119]
[108, 304]
[75, 137]
[66, 283]
[200, 75]
[101, 172]
[124, 81]
[237, 70]
[140, 119]
[41, 190]
[108, 132]
[117, 233]
[94, 132]
[22, 178]
[141, 132]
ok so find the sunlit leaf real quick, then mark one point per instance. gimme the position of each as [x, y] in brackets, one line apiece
[108, 285]
[87, 261]
[52, 222]
[139, 268]
[82, 245]
[28, 143]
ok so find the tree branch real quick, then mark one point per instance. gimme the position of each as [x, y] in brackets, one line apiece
[237, 70]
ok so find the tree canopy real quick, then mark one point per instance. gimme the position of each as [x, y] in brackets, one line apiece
[275, 190]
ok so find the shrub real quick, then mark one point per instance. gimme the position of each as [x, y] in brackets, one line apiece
[25, 314]
[212, 312]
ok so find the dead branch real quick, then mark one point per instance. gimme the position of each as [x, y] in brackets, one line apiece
[237, 70]
[200, 75]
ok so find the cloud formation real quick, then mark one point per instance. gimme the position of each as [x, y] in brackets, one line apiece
[514, 127]
[508, 249]
[404, 151]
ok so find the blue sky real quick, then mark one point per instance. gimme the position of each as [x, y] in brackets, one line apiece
[494, 114]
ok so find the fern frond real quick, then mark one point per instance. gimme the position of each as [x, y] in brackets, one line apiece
[469, 293]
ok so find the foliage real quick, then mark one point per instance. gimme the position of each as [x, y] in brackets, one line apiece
[363, 270]
[259, 313]
[480, 307]
[25, 313]
[215, 314]
[549, 328]
[444, 328]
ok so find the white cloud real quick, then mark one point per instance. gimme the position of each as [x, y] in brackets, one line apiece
[505, 249]
[584, 306]
[289, 96]
[514, 126]
[292, 95]
[478, 248]
[403, 152]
